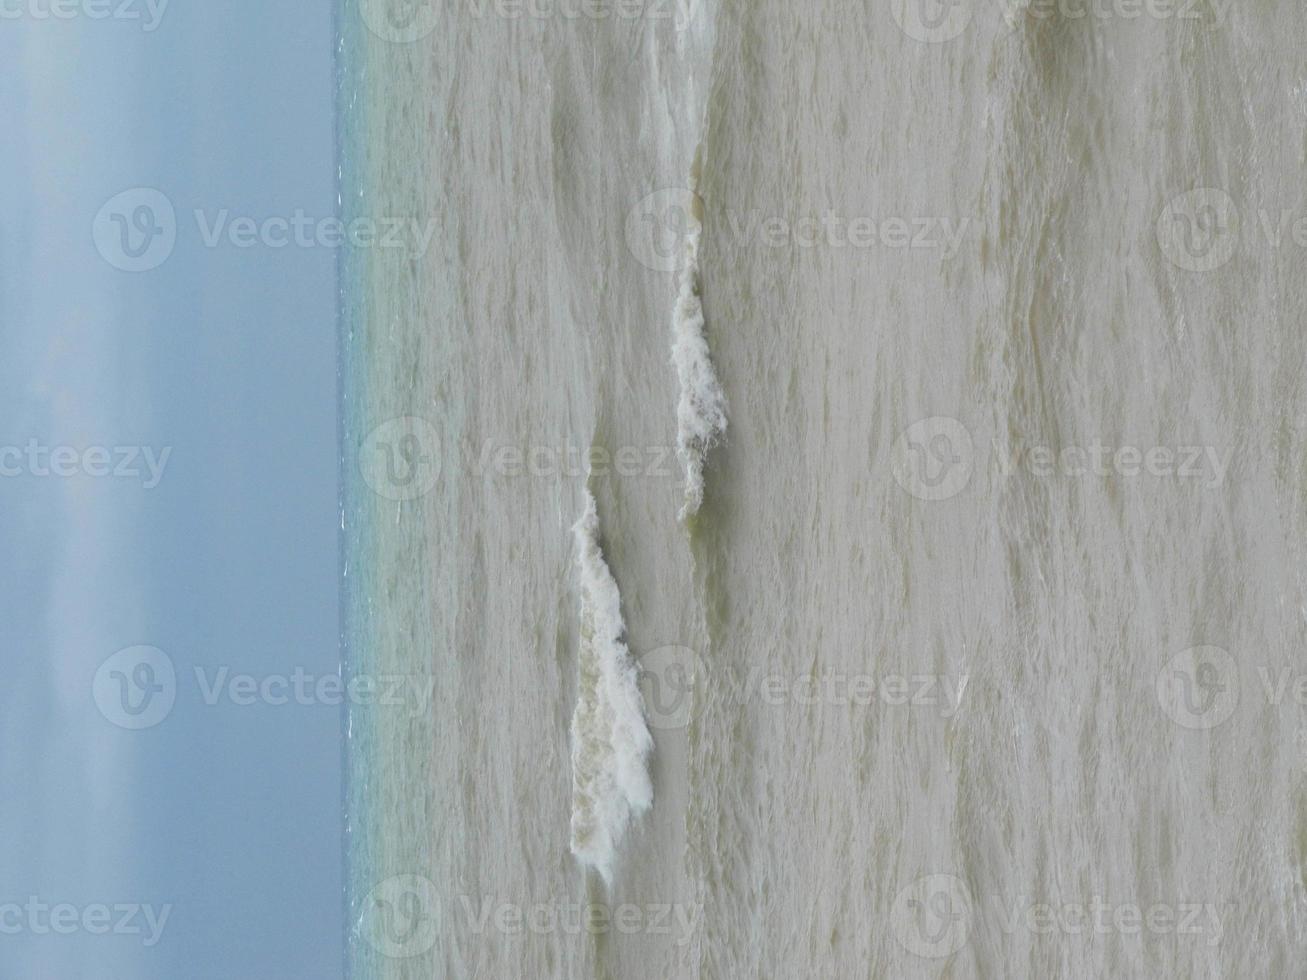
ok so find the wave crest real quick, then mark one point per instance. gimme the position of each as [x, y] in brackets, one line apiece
[610, 740]
[701, 412]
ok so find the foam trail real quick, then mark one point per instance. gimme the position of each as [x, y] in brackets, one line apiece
[701, 413]
[610, 741]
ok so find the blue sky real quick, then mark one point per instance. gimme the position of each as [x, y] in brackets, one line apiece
[227, 814]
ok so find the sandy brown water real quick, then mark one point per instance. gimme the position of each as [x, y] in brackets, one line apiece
[995, 607]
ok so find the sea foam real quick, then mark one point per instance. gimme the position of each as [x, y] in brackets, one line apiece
[701, 413]
[610, 741]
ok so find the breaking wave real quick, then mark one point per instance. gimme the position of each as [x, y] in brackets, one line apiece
[610, 741]
[701, 413]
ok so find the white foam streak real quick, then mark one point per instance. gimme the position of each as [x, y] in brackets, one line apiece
[701, 413]
[610, 741]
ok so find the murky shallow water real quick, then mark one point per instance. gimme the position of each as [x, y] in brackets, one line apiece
[992, 621]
